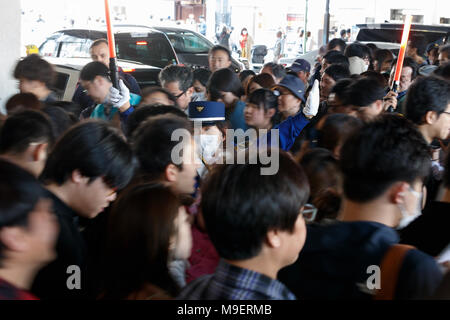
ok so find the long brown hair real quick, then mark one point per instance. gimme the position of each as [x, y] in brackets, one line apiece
[139, 232]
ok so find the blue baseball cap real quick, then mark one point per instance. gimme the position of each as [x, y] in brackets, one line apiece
[300, 65]
[206, 111]
[294, 85]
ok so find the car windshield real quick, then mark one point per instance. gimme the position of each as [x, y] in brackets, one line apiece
[187, 42]
[395, 36]
[151, 49]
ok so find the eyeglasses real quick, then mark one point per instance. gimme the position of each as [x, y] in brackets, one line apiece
[446, 112]
[179, 96]
[309, 212]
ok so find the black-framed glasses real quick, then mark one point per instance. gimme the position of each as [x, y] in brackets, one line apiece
[446, 112]
[180, 95]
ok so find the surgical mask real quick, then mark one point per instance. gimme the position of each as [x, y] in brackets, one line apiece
[198, 96]
[366, 67]
[209, 145]
[408, 217]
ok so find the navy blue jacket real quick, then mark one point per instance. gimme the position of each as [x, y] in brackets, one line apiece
[333, 264]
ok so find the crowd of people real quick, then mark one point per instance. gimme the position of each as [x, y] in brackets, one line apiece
[94, 205]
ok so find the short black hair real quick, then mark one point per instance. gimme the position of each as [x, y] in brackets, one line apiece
[264, 98]
[343, 32]
[427, 94]
[337, 72]
[443, 71]
[363, 92]
[245, 74]
[70, 107]
[382, 55]
[224, 80]
[220, 48]
[202, 75]
[387, 150]
[419, 42]
[240, 205]
[356, 50]
[97, 150]
[445, 49]
[94, 69]
[35, 68]
[447, 171]
[336, 42]
[143, 113]
[174, 73]
[334, 57]
[60, 119]
[153, 89]
[340, 88]
[153, 145]
[20, 191]
[23, 128]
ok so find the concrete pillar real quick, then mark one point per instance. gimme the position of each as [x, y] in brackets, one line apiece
[10, 16]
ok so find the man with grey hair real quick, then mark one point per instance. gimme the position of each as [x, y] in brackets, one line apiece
[179, 81]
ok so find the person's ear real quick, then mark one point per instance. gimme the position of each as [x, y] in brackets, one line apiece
[171, 173]
[430, 117]
[78, 178]
[379, 106]
[270, 113]
[40, 152]
[273, 239]
[13, 238]
[397, 192]
[190, 92]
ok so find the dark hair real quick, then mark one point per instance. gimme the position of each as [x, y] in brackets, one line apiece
[23, 128]
[142, 114]
[35, 68]
[224, 80]
[19, 194]
[443, 71]
[336, 42]
[72, 108]
[151, 90]
[447, 171]
[174, 73]
[427, 94]
[94, 69]
[202, 75]
[337, 72]
[60, 120]
[245, 74]
[445, 49]
[325, 180]
[265, 80]
[334, 57]
[220, 48]
[340, 88]
[337, 129]
[240, 205]
[378, 77]
[264, 98]
[419, 42]
[99, 42]
[381, 56]
[94, 148]
[356, 50]
[408, 62]
[140, 229]
[343, 32]
[387, 150]
[277, 69]
[363, 92]
[153, 145]
[22, 101]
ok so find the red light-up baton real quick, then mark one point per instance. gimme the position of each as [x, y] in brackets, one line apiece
[112, 48]
[401, 55]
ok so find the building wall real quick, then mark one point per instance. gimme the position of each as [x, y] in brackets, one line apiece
[10, 15]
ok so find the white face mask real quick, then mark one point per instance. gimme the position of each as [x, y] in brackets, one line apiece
[408, 217]
[199, 96]
[208, 147]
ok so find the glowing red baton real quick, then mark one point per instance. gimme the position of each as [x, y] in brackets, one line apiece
[401, 55]
[112, 48]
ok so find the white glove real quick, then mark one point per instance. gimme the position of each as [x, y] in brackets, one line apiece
[312, 104]
[116, 98]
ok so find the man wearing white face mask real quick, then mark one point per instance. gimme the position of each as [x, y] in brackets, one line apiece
[358, 58]
[383, 165]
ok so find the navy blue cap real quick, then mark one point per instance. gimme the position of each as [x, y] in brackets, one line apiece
[294, 84]
[300, 65]
[206, 111]
[432, 46]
